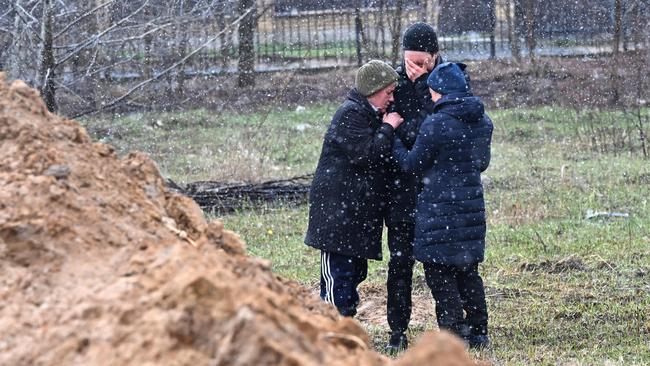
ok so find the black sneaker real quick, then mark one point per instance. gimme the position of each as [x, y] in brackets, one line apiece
[397, 343]
[476, 341]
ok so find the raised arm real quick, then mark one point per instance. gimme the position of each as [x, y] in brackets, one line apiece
[361, 144]
[423, 153]
[485, 161]
[424, 96]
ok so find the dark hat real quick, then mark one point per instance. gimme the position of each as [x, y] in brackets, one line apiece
[448, 78]
[420, 37]
[374, 76]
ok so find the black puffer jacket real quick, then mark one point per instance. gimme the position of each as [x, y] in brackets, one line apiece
[347, 200]
[451, 151]
[413, 103]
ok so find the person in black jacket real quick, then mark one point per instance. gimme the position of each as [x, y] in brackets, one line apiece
[412, 99]
[451, 150]
[347, 199]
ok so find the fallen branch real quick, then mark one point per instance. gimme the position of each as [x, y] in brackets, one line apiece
[222, 197]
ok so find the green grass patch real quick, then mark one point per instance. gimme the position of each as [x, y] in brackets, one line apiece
[203, 145]
[305, 50]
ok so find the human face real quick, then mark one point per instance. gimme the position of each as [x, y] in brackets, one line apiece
[421, 59]
[382, 98]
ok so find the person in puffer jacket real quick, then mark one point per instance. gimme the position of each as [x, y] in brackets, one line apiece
[451, 150]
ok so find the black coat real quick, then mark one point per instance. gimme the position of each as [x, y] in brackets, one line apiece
[347, 200]
[451, 151]
[413, 103]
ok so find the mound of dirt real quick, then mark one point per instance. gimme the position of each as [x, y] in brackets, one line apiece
[100, 264]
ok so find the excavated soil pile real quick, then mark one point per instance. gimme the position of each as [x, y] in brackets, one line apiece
[100, 264]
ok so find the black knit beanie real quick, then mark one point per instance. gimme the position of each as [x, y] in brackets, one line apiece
[420, 37]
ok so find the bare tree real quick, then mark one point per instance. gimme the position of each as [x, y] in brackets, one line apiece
[49, 31]
[48, 66]
[23, 32]
[6, 34]
[493, 28]
[513, 35]
[618, 20]
[529, 8]
[246, 44]
[166, 71]
[396, 31]
[82, 47]
[358, 31]
[615, 78]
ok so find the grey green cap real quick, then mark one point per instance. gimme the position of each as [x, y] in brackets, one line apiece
[374, 76]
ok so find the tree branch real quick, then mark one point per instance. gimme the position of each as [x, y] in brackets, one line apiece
[99, 35]
[82, 17]
[116, 101]
[19, 10]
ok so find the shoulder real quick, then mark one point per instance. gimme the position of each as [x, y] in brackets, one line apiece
[432, 123]
[350, 113]
[348, 107]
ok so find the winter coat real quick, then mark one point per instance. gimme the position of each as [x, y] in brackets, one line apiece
[347, 199]
[413, 103]
[451, 150]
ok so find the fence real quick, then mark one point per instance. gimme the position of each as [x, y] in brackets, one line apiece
[287, 38]
[149, 40]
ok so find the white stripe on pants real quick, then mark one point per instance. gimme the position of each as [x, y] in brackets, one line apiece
[327, 276]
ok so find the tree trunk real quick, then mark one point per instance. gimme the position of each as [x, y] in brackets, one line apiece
[382, 17]
[46, 73]
[180, 73]
[224, 43]
[529, 21]
[87, 60]
[246, 45]
[148, 59]
[618, 20]
[396, 32]
[493, 27]
[358, 32]
[182, 39]
[513, 35]
[425, 11]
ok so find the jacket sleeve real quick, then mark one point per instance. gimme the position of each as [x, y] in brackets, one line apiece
[423, 94]
[485, 162]
[423, 153]
[361, 144]
[408, 130]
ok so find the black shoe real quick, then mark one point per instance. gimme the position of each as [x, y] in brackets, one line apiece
[397, 343]
[476, 341]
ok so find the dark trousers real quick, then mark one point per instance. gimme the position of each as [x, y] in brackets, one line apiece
[339, 277]
[456, 289]
[400, 276]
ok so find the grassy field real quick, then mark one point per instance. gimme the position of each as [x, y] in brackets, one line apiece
[562, 288]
